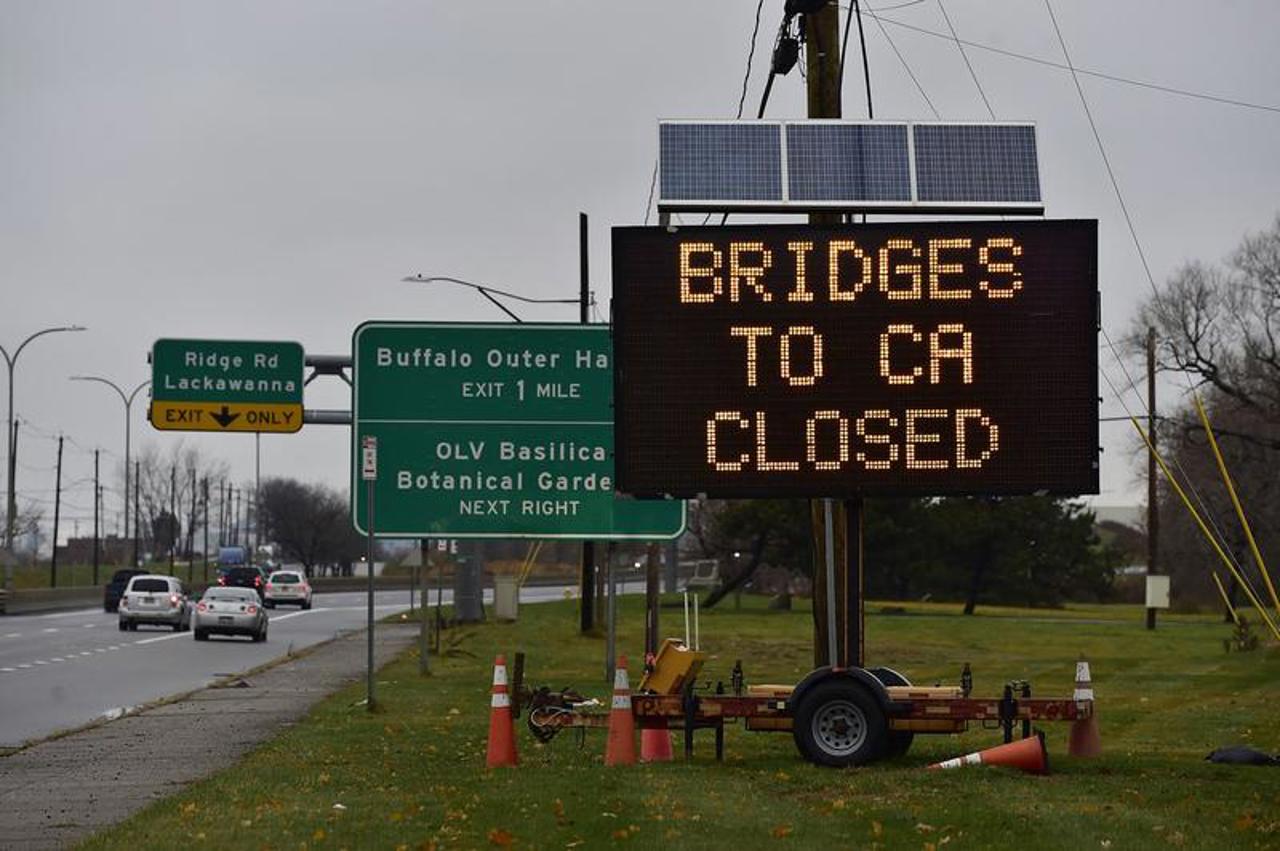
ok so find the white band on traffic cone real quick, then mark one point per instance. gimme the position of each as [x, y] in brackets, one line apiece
[622, 701]
[1084, 685]
[500, 675]
[620, 682]
[501, 700]
[959, 761]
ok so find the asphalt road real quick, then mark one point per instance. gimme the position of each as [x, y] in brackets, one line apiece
[64, 670]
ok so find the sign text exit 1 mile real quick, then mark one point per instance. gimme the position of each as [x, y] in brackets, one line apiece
[495, 431]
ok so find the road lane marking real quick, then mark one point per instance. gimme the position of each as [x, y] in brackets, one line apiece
[41, 662]
[7, 670]
[90, 625]
[275, 618]
[24, 665]
[50, 629]
[159, 638]
[57, 659]
[86, 653]
[14, 635]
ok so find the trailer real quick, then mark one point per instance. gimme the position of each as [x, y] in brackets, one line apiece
[837, 716]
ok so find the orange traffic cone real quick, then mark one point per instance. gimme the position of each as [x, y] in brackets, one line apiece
[621, 748]
[1026, 754]
[655, 743]
[1085, 739]
[502, 729]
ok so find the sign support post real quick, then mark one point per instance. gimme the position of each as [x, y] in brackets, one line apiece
[369, 472]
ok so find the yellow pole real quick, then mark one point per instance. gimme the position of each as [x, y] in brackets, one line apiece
[1235, 500]
[1205, 530]
[1225, 598]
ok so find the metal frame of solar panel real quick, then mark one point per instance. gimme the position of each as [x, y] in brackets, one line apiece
[905, 167]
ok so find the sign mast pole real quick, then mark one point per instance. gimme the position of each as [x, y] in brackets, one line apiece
[369, 472]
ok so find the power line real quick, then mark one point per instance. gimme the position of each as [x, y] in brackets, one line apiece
[972, 74]
[755, 31]
[903, 60]
[1115, 78]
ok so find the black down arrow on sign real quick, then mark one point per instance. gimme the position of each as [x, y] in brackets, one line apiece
[224, 417]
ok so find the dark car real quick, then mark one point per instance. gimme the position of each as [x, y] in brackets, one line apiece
[244, 577]
[115, 587]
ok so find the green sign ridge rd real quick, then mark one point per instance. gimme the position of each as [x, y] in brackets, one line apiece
[494, 431]
[226, 385]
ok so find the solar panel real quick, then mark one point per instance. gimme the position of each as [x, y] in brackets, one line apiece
[976, 163]
[723, 161]
[849, 166]
[848, 162]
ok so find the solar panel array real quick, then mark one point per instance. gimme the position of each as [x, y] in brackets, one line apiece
[793, 166]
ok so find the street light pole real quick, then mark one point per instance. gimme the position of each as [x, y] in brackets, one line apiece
[10, 447]
[128, 403]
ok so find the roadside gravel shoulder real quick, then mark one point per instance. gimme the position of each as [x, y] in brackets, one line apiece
[61, 791]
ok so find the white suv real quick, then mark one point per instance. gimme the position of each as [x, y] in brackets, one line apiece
[287, 586]
[155, 599]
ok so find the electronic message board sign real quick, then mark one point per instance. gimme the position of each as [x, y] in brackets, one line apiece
[937, 358]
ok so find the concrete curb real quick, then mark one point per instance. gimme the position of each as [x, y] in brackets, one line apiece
[65, 788]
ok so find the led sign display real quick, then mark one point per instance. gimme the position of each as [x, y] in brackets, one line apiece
[881, 359]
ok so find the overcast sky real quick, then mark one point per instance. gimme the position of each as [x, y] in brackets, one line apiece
[271, 170]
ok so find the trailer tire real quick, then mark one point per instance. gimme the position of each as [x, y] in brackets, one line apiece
[839, 723]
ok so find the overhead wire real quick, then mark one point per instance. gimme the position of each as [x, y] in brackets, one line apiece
[905, 64]
[972, 74]
[1115, 78]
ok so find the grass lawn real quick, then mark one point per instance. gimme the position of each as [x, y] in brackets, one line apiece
[413, 776]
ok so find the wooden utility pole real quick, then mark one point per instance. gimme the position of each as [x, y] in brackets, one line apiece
[1153, 501]
[822, 67]
[57, 510]
[205, 501]
[173, 515]
[96, 502]
[137, 510]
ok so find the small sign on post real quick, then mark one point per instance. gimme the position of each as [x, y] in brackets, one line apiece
[369, 458]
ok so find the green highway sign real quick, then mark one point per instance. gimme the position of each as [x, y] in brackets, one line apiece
[226, 385]
[493, 431]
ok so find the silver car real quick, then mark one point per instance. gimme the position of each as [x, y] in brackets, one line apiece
[154, 599]
[287, 586]
[230, 611]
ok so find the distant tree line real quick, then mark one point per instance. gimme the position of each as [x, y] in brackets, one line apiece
[1032, 551]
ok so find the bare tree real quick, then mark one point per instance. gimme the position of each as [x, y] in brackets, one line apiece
[165, 480]
[1220, 325]
[310, 522]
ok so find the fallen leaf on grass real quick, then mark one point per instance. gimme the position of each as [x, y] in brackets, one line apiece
[339, 807]
[188, 809]
[1245, 822]
[781, 831]
[622, 833]
[924, 828]
[500, 837]
[877, 829]
[557, 807]
[319, 835]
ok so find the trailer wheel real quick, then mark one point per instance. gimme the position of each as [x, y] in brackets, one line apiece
[838, 723]
[899, 741]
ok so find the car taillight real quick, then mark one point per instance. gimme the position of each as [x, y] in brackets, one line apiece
[304, 587]
[174, 600]
[257, 580]
[124, 601]
[201, 607]
[222, 580]
[269, 586]
[252, 610]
